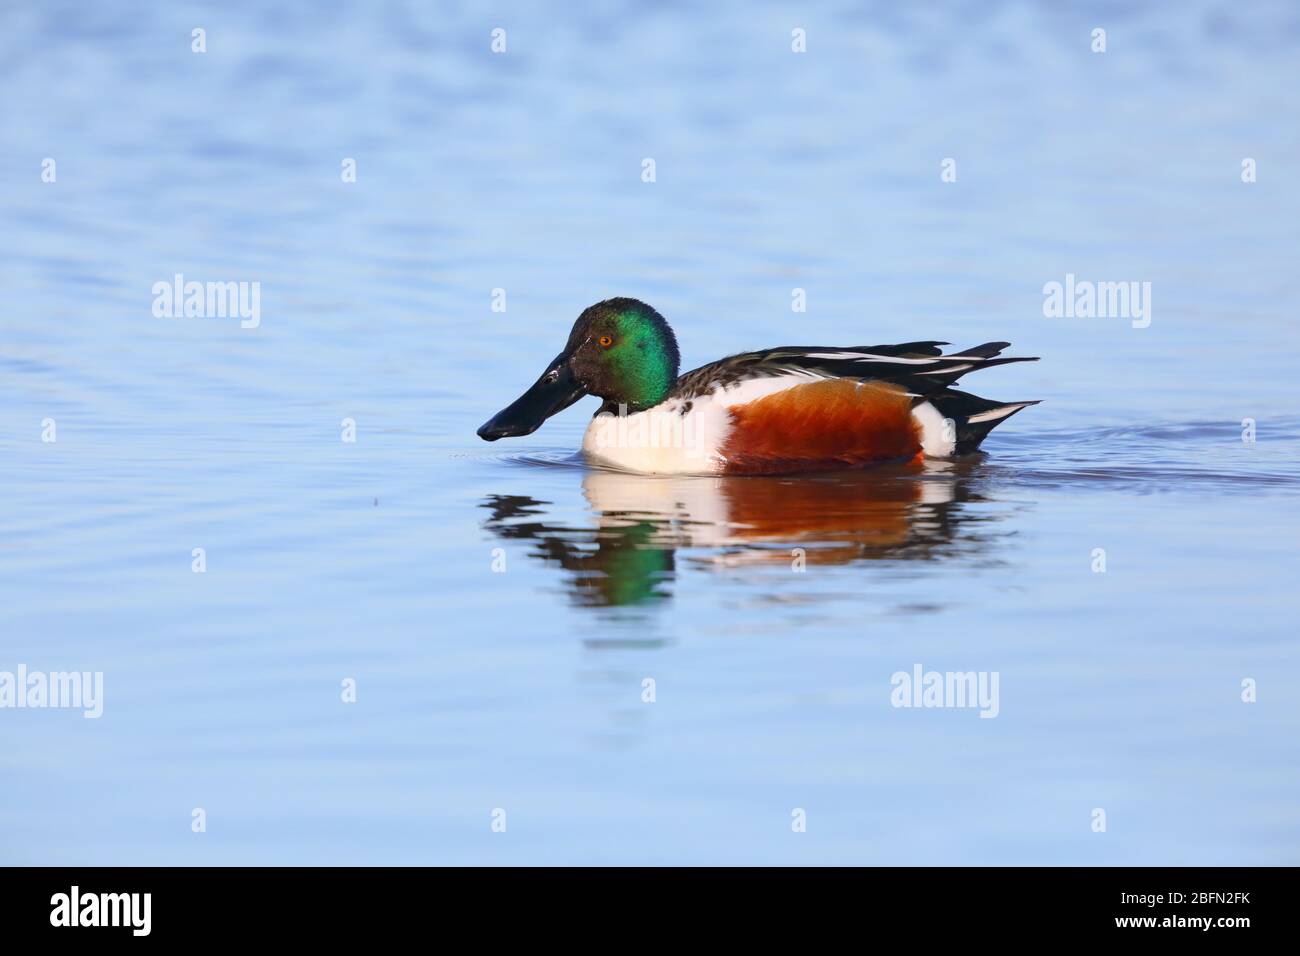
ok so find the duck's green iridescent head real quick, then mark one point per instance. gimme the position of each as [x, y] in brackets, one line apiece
[621, 350]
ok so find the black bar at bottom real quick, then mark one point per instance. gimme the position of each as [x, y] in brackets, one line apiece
[334, 905]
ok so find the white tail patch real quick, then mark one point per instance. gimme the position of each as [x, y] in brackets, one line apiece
[938, 435]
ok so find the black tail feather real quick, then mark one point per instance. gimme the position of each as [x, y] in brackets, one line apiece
[962, 407]
[987, 350]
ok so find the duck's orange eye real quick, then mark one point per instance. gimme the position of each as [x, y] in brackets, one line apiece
[606, 341]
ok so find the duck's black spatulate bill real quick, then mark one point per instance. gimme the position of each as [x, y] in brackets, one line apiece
[555, 391]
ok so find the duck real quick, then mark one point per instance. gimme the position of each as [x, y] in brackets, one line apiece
[778, 411]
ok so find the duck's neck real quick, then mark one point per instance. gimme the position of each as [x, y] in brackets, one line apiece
[646, 377]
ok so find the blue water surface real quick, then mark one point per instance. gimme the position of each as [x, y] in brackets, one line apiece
[500, 608]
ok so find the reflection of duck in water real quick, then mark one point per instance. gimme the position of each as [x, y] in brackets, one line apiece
[629, 555]
[622, 562]
[779, 411]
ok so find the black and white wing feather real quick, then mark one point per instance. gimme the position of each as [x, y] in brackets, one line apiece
[920, 367]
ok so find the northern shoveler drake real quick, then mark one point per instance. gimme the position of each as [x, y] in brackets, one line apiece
[778, 411]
